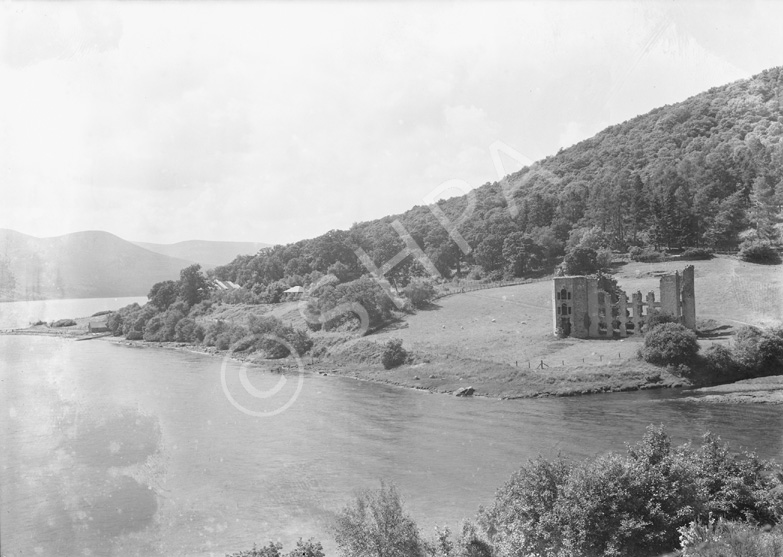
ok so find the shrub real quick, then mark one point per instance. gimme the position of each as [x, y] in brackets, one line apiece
[419, 292]
[755, 251]
[721, 538]
[669, 344]
[721, 364]
[759, 352]
[185, 330]
[100, 313]
[393, 354]
[658, 319]
[628, 505]
[603, 258]
[64, 323]
[309, 548]
[134, 335]
[375, 524]
[696, 254]
[645, 255]
[495, 275]
[154, 329]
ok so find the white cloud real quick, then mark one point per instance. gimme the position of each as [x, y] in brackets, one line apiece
[274, 122]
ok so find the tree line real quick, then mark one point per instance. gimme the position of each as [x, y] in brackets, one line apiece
[706, 172]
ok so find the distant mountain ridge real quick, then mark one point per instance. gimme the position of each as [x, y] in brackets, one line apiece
[89, 264]
[206, 252]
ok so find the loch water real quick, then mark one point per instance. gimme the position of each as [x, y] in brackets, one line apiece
[109, 449]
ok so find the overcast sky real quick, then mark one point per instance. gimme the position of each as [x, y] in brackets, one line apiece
[275, 122]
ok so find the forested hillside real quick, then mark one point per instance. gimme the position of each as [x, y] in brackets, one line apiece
[706, 172]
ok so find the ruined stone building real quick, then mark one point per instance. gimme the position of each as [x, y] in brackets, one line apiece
[582, 309]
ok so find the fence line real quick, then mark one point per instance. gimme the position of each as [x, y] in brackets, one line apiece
[485, 285]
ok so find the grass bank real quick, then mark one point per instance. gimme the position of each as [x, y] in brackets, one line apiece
[500, 342]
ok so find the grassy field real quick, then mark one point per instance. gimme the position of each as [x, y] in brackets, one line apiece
[495, 340]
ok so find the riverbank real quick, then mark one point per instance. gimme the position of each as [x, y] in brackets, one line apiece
[760, 390]
[499, 341]
[359, 359]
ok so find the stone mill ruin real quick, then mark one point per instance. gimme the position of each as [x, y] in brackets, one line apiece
[584, 309]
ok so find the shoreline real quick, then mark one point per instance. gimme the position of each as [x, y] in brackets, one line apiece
[435, 377]
[448, 374]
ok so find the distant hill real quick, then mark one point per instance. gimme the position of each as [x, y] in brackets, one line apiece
[208, 253]
[89, 264]
[705, 172]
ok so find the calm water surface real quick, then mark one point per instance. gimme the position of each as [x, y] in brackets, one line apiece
[107, 449]
[21, 314]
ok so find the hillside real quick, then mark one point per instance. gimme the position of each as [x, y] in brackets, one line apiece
[704, 172]
[494, 339]
[89, 264]
[207, 253]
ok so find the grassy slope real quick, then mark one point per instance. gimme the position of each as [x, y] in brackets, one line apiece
[477, 338]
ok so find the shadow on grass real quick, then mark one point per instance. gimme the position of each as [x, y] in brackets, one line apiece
[615, 266]
[429, 306]
[724, 331]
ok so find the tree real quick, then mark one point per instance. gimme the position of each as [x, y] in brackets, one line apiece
[580, 261]
[489, 253]
[375, 524]
[762, 210]
[192, 285]
[419, 292]
[521, 253]
[163, 294]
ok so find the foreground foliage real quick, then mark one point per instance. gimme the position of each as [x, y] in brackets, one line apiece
[629, 505]
[721, 538]
[309, 548]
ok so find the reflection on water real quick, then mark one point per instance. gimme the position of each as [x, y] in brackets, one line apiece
[127, 451]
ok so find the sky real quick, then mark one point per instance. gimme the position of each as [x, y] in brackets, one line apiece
[274, 122]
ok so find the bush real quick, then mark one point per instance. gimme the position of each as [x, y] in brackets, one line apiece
[309, 548]
[393, 354]
[696, 254]
[721, 364]
[64, 323]
[185, 330]
[100, 313]
[658, 319]
[669, 344]
[755, 251]
[759, 352]
[721, 538]
[628, 505]
[604, 258]
[419, 292]
[645, 255]
[134, 335]
[375, 524]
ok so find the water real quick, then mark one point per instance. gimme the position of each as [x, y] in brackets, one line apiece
[107, 449]
[21, 314]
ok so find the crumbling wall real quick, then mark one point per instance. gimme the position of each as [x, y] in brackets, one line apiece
[688, 295]
[583, 310]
